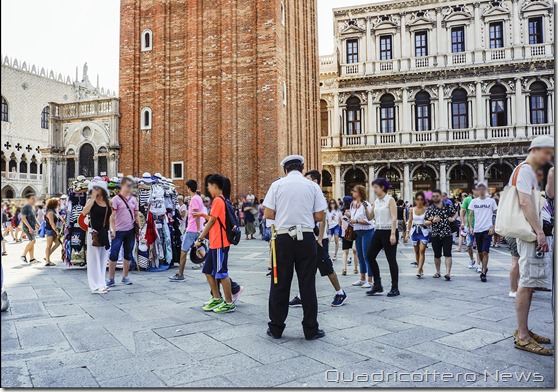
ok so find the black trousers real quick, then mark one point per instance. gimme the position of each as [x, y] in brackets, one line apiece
[300, 256]
[380, 240]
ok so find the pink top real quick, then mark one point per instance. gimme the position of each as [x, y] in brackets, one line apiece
[123, 219]
[195, 204]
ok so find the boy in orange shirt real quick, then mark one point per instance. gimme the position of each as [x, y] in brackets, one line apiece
[215, 266]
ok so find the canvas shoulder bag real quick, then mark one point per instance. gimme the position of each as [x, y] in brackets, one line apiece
[510, 220]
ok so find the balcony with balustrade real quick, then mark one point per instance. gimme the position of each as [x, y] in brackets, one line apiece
[102, 107]
[450, 136]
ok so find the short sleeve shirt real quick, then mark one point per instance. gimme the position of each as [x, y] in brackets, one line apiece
[526, 179]
[29, 214]
[218, 235]
[124, 218]
[483, 210]
[294, 199]
[465, 206]
[441, 229]
[196, 204]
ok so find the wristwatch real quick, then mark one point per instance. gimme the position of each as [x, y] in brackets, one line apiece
[199, 240]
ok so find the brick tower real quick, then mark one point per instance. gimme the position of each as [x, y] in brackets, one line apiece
[227, 86]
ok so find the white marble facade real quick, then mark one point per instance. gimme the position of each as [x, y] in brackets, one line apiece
[28, 93]
[435, 93]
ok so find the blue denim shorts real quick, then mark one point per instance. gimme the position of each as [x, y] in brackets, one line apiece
[126, 239]
[49, 233]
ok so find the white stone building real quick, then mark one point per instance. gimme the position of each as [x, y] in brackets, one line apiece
[29, 97]
[435, 93]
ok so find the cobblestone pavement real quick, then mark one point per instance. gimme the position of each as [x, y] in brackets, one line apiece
[154, 333]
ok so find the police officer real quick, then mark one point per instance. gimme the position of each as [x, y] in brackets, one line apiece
[295, 204]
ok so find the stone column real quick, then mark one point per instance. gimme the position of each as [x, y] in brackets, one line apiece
[338, 192]
[405, 111]
[479, 108]
[371, 126]
[516, 27]
[443, 177]
[404, 44]
[406, 191]
[95, 166]
[441, 38]
[336, 131]
[520, 117]
[368, 40]
[371, 177]
[480, 170]
[478, 39]
[442, 109]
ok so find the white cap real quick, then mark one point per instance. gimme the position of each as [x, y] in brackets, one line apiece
[158, 175]
[481, 184]
[292, 158]
[543, 141]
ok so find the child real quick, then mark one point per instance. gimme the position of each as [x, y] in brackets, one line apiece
[215, 266]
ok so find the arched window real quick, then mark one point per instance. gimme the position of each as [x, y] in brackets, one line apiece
[70, 168]
[539, 103]
[86, 161]
[324, 118]
[423, 112]
[33, 167]
[12, 165]
[45, 114]
[102, 161]
[3, 164]
[459, 109]
[387, 114]
[353, 116]
[146, 40]
[23, 166]
[146, 117]
[4, 109]
[498, 106]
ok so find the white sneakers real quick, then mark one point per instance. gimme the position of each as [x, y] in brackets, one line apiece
[104, 290]
[367, 285]
[359, 283]
[511, 294]
[472, 264]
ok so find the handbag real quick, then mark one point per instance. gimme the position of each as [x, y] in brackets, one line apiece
[95, 235]
[136, 225]
[510, 221]
[350, 233]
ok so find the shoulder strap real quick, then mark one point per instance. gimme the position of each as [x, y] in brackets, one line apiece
[129, 210]
[516, 174]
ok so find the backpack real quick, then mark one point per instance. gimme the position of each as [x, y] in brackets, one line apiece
[231, 226]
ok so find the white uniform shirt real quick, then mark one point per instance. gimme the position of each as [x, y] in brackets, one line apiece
[294, 200]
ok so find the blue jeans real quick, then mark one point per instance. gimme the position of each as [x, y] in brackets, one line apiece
[126, 238]
[363, 239]
[188, 240]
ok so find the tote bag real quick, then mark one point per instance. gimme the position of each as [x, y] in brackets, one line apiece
[510, 220]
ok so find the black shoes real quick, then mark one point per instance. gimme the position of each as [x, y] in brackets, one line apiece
[269, 333]
[376, 289]
[394, 292]
[483, 277]
[320, 334]
[296, 302]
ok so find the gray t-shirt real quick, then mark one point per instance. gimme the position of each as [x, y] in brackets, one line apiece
[28, 212]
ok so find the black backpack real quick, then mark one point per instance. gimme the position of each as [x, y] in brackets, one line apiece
[231, 226]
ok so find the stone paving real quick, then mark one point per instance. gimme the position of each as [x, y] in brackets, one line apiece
[154, 333]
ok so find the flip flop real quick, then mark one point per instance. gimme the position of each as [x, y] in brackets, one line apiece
[4, 253]
[447, 277]
[50, 264]
[436, 275]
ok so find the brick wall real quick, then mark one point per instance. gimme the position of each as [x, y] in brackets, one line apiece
[214, 81]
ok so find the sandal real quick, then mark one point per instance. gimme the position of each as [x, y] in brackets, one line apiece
[536, 338]
[33, 260]
[447, 277]
[50, 264]
[4, 253]
[420, 275]
[532, 346]
[436, 275]
[344, 272]
[356, 272]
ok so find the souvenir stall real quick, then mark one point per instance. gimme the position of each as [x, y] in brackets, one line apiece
[74, 241]
[159, 244]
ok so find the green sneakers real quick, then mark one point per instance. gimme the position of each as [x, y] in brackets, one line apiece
[225, 308]
[211, 305]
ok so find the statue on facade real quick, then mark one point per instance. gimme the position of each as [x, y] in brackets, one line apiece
[85, 76]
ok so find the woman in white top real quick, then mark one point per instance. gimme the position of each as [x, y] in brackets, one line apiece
[364, 229]
[333, 228]
[385, 237]
[418, 232]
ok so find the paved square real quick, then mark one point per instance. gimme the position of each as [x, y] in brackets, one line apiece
[154, 333]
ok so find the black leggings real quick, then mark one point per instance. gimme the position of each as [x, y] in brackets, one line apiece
[380, 240]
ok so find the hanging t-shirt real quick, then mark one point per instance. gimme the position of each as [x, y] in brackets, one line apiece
[157, 200]
[483, 210]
